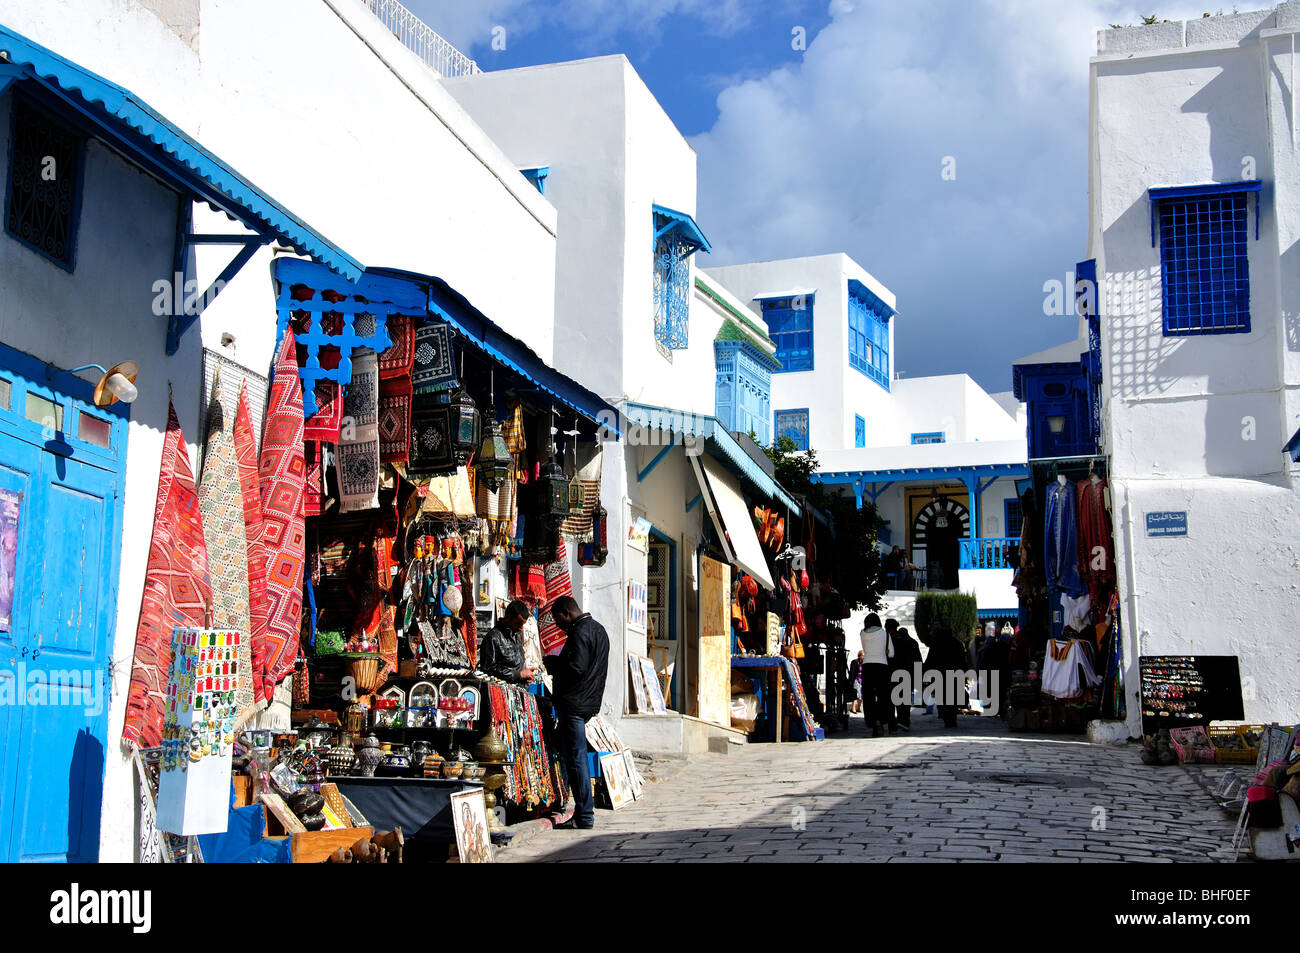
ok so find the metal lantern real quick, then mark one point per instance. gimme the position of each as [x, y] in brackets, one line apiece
[463, 425]
[553, 489]
[494, 459]
[575, 485]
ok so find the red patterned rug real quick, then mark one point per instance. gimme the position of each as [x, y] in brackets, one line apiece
[282, 475]
[176, 588]
[397, 360]
[395, 420]
[557, 584]
[246, 455]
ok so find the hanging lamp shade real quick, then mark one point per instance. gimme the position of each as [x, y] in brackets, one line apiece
[463, 425]
[553, 489]
[493, 460]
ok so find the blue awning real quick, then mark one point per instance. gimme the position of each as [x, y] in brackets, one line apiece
[160, 147]
[683, 223]
[702, 427]
[403, 292]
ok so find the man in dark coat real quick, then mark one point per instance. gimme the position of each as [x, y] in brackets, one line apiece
[947, 655]
[501, 652]
[906, 654]
[579, 674]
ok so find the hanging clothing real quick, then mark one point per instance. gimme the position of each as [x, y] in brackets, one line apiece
[176, 588]
[1067, 668]
[1060, 544]
[1096, 540]
[282, 473]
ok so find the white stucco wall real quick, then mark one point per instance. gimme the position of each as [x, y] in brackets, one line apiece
[1196, 423]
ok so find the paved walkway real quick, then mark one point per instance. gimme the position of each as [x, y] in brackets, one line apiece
[978, 793]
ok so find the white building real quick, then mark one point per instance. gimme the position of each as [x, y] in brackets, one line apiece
[314, 103]
[937, 455]
[1195, 215]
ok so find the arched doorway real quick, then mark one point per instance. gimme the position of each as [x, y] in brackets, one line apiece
[938, 530]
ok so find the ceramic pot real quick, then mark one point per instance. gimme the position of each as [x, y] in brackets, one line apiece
[369, 756]
[340, 758]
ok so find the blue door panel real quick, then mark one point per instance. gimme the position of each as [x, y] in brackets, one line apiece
[68, 624]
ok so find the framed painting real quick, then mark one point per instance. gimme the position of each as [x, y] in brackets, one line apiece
[618, 785]
[469, 817]
[639, 696]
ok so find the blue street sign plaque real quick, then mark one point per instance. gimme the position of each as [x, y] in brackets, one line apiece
[1167, 523]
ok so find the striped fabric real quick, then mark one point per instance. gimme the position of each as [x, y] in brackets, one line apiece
[282, 474]
[176, 588]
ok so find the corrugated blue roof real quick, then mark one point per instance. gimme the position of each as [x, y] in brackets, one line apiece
[164, 149]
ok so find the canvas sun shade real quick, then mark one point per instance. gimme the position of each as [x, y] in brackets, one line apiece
[731, 517]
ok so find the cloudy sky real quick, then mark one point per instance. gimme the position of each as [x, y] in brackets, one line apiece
[842, 145]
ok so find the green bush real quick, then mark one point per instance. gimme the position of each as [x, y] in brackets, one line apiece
[957, 610]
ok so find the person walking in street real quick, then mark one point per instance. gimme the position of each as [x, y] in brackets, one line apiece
[876, 653]
[501, 650]
[579, 674]
[855, 679]
[906, 654]
[947, 659]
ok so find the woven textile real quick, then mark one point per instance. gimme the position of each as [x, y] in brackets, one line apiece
[557, 584]
[222, 505]
[176, 589]
[313, 458]
[497, 509]
[397, 361]
[246, 457]
[578, 525]
[435, 363]
[430, 451]
[358, 453]
[282, 475]
[394, 420]
[512, 428]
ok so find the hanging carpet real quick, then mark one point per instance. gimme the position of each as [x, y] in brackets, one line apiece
[394, 420]
[246, 457]
[358, 452]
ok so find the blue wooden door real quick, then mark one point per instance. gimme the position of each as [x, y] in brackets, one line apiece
[62, 461]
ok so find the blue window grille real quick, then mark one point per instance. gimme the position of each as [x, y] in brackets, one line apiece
[919, 438]
[43, 197]
[1013, 518]
[1205, 278]
[793, 424]
[537, 176]
[790, 326]
[859, 431]
[676, 238]
[743, 395]
[869, 333]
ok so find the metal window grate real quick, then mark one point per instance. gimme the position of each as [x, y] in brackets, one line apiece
[233, 375]
[43, 200]
[1205, 278]
[1014, 518]
[859, 431]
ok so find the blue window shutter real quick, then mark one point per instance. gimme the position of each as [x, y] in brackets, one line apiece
[859, 431]
[790, 325]
[793, 424]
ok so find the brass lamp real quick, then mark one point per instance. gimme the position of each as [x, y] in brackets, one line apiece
[494, 460]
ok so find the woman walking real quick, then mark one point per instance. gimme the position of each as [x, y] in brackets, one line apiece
[877, 650]
[855, 679]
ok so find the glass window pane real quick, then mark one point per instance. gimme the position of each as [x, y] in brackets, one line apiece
[44, 412]
[6, 393]
[94, 430]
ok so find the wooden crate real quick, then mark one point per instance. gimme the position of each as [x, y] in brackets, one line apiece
[314, 847]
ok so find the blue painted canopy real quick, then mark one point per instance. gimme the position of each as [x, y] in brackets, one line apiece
[686, 225]
[163, 149]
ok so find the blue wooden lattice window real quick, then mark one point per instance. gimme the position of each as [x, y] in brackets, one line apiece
[869, 333]
[743, 391]
[1205, 278]
[919, 438]
[793, 424]
[859, 431]
[790, 326]
[676, 238]
[43, 198]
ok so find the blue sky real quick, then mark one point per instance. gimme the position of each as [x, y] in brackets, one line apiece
[843, 145]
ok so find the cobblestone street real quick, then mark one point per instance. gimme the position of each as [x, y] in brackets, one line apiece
[977, 793]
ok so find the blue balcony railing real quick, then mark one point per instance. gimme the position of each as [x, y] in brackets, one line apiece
[996, 552]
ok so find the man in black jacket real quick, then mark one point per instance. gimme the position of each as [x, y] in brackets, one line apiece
[579, 675]
[501, 653]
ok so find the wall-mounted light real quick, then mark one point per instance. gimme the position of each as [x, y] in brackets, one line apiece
[1056, 423]
[117, 383]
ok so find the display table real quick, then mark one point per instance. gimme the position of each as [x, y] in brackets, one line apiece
[803, 728]
[420, 806]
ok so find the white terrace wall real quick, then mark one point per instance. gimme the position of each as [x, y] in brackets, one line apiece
[1196, 423]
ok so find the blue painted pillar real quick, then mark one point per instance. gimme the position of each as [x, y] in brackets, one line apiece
[972, 494]
[857, 492]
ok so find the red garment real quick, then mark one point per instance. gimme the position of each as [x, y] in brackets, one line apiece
[557, 584]
[176, 588]
[1096, 543]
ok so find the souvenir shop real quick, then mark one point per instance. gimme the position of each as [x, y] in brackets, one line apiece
[1065, 662]
[786, 638]
[418, 470]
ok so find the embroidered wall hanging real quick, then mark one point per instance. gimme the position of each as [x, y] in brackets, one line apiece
[222, 506]
[431, 451]
[397, 361]
[557, 584]
[435, 361]
[246, 457]
[176, 588]
[313, 457]
[358, 449]
[282, 474]
[395, 398]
